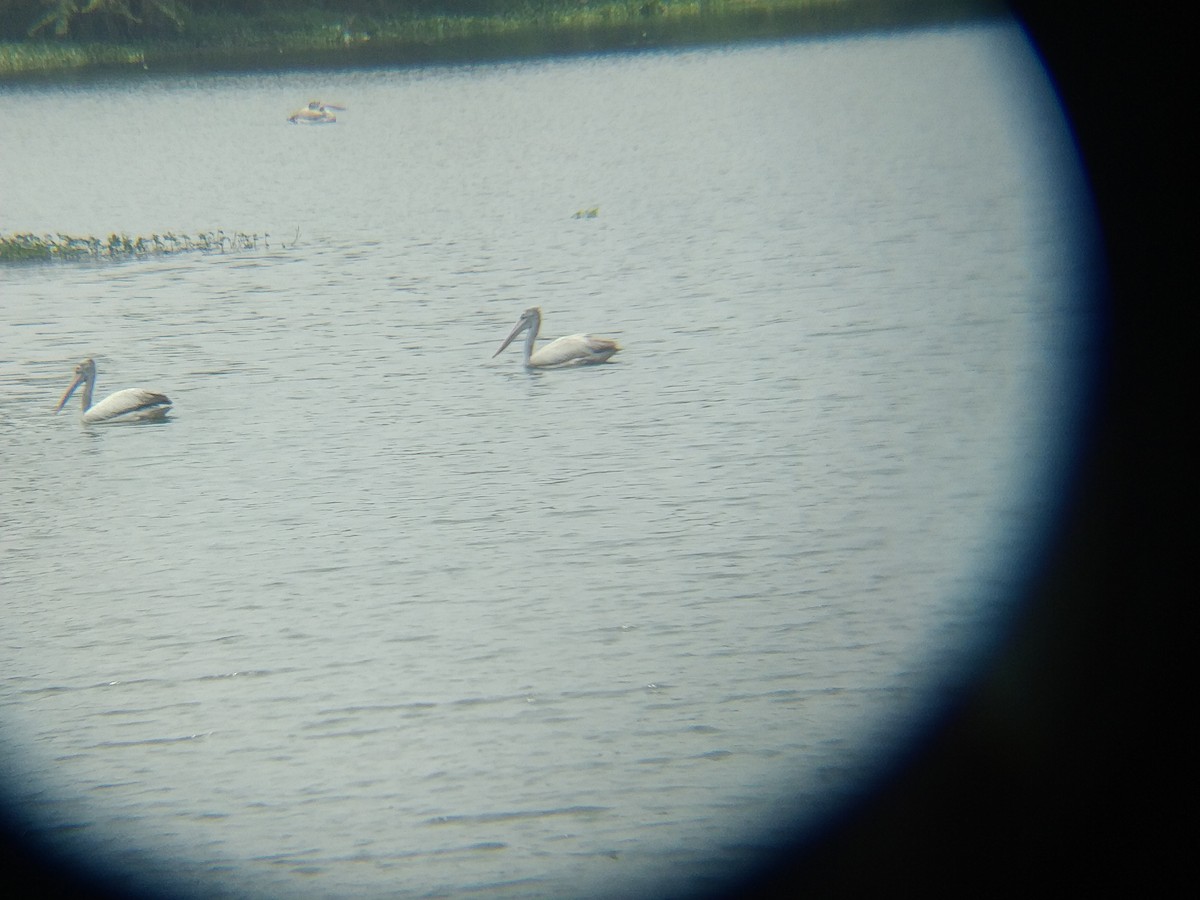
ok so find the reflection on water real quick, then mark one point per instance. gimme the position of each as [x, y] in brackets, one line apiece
[380, 614]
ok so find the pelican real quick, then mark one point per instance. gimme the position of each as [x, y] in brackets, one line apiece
[316, 113]
[572, 350]
[129, 405]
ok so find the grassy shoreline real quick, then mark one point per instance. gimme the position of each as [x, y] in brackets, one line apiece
[325, 39]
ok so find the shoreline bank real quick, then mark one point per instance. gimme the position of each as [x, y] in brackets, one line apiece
[325, 40]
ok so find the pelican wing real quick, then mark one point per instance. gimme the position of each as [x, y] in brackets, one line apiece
[129, 405]
[574, 350]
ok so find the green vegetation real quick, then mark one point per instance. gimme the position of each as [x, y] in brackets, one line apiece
[56, 35]
[35, 248]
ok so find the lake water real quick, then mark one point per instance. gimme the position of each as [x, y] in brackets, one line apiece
[375, 614]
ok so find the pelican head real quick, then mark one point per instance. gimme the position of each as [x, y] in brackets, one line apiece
[85, 373]
[531, 319]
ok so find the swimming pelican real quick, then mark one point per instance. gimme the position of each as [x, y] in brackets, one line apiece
[129, 405]
[572, 350]
[316, 113]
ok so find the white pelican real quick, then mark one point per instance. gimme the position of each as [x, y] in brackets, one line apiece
[129, 405]
[316, 113]
[572, 350]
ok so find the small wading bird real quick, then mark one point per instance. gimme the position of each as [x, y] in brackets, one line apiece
[130, 405]
[572, 350]
[316, 113]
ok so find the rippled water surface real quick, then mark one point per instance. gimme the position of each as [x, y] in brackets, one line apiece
[376, 614]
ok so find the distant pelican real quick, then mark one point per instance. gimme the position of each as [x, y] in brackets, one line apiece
[130, 405]
[572, 350]
[316, 113]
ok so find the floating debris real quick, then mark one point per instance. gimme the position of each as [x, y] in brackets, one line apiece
[589, 213]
